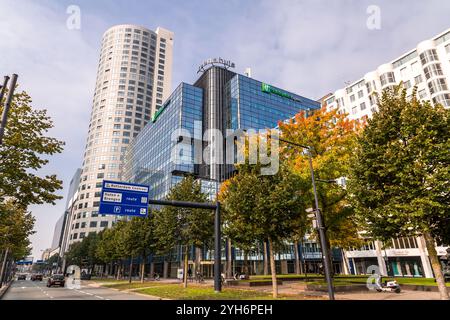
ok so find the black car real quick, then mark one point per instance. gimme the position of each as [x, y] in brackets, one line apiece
[56, 280]
[36, 277]
[22, 277]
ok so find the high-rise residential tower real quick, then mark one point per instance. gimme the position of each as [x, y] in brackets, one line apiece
[133, 80]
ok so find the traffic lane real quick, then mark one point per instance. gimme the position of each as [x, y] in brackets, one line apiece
[38, 290]
[25, 290]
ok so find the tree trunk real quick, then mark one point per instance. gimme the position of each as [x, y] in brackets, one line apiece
[274, 271]
[198, 258]
[297, 259]
[131, 269]
[185, 269]
[346, 266]
[230, 259]
[142, 272]
[266, 259]
[436, 265]
[245, 269]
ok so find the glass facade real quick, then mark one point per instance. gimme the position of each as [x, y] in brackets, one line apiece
[220, 99]
[148, 158]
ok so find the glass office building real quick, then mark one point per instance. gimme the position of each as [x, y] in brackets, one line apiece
[219, 99]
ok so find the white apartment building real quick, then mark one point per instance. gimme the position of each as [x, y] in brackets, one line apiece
[133, 79]
[427, 67]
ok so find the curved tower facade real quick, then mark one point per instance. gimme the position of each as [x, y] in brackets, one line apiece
[133, 80]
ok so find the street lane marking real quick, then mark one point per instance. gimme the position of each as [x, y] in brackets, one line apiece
[99, 297]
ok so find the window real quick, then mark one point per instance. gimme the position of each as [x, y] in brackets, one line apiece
[363, 106]
[352, 98]
[407, 84]
[433, 70]
[447, 48]
[360, 94]
[428, 56]
[422, 94]
[442, 99]
[387, 78]
[103, 224]
[437, 85]
[93, 224]
[354, 110]
[418, 79]
[403, 72]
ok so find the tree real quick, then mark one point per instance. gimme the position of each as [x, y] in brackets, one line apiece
[264, 206]
[184, 226]
[83, 253]
[16, 226]
[332, 138]
[137, 240]
[24, 151]
[401, 172]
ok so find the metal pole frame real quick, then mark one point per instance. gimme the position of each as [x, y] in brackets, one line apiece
[9, 98]
[325, 253]
[217, 232]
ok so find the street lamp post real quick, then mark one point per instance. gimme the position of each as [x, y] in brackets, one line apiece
[320, 225]
[9, 98]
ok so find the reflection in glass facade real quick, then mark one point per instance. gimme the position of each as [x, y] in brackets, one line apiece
[219, 99]
[147, 160]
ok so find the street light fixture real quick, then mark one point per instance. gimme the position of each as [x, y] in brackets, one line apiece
[319, 219]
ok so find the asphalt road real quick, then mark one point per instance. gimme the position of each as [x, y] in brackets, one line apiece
[37, 290]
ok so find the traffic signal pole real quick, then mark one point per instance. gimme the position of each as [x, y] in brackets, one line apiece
[320, 225]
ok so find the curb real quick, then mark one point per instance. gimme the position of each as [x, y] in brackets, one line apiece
[129, 291]
[4, 289]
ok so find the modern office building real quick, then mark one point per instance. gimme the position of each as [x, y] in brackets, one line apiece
[133, 80]
[428, 68]
[219, 99]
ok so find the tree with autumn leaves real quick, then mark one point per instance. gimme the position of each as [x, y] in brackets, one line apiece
[331, 137]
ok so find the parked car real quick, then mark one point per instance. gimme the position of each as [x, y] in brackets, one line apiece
[22, 277]
[36, 277]
[56, 279]
[85, 276]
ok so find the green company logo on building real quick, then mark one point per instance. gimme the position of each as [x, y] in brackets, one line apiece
[158, 113]
[269, 89]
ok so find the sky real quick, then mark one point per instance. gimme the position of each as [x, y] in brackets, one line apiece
[310, 47]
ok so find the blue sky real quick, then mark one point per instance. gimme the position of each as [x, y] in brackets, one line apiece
[308, 47]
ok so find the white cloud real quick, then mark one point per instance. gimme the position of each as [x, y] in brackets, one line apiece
[56, 66]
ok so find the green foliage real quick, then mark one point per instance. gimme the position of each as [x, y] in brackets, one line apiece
[24, 151]
[185, 226]
[400, 175]
[83, 253]
[16, 225]
[259, 207]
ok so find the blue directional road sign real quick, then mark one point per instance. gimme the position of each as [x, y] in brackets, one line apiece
[124, 199]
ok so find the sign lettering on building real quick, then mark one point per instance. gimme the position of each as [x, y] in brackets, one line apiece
[213, 61]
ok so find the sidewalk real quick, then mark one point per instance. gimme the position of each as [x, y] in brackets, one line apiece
[5, 288]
